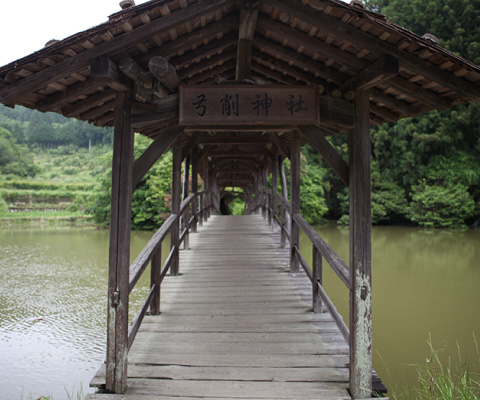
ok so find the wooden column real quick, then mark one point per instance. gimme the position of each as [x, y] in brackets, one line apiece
[360, 251]
[206, 196]
[186, 214]
[263, 187]
[176, 201]
[119, 250]
[274, 190]
[155, 275]
[285, 220]
[317, 274]
[195, 187]
[295, 199]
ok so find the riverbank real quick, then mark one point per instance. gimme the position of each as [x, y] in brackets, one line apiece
[42, 219]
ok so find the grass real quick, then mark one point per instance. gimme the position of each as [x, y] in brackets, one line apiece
[454, 380]
[75, 394]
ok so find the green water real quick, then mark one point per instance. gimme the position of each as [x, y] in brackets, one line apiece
[53, 287]
[425, 284]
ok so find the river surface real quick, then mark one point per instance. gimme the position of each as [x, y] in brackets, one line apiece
[53, 287]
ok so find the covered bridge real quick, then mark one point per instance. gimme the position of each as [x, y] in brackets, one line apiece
[234, 87]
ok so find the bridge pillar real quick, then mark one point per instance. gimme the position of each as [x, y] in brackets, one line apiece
[295, 200]
[119, 249]
[175, 207]
[360, 251]
[195, 188]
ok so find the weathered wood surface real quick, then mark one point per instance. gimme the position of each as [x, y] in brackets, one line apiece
[234, 325]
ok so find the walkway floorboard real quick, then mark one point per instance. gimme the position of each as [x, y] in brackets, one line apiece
[234, 326]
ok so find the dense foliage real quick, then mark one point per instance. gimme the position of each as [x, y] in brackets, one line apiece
[50, 130]
[151, 197]
[425, 170]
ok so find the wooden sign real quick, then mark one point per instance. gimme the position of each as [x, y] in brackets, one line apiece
[248, 105]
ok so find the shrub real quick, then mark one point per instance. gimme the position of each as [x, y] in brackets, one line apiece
[436, 206]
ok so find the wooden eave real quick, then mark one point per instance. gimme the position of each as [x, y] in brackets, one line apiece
[327, 43]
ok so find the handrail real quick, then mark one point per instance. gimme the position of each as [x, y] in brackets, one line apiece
[334, 313]
[304, 264]
[145, 256]
[132, 331]
[283, 200]
[186, 202]
[337, 264]
[328, 302]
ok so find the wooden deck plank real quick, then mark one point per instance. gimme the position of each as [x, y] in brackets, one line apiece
[234, 325]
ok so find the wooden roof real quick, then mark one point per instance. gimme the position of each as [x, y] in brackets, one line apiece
[327, 43]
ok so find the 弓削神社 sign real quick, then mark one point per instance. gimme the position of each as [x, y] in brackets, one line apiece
[252, 105]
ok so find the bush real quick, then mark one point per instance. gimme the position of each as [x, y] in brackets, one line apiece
[435, 206]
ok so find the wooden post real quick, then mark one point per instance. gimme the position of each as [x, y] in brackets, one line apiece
[195, 188]
[206, 196]
[186, 214]
[274, 190]
[119, 250]
[317, 275]
[268, 199]
[155, 271]
[360, 251]
[295, 200]
[285, 220]
[176, 200]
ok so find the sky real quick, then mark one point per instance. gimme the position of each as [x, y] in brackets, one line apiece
[26, 25]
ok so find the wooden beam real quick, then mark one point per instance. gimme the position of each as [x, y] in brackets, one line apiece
[61, 99]
[84, 105]
[188, 147]
[302, 62]
[232, 139]
[288, 71]
[221, 70]
[402, 107]
[385, 68]
[248, 23]
[360, 252]
[121, 42]
[164, 72]
[208, 64]
[419, 93]
[119, 250]
[130, 68]
[285, 32]
[264, 68]
[337, 111]
[317, 140]
[157, 148]
[106, 71]
[281, 145]
[166, 110]
[213, 48]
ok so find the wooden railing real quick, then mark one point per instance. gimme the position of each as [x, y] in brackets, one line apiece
[152, 253]
[276, 208]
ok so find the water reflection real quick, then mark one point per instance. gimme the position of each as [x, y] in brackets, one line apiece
[52, 309]
[424, 283]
